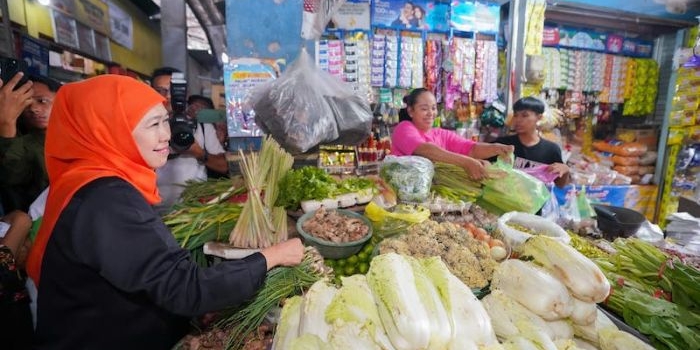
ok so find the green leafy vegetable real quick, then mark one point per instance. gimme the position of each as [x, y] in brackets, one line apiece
[304, 184]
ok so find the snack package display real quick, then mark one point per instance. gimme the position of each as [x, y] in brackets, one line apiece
[410, 176]
[628, 149]
[306, 107]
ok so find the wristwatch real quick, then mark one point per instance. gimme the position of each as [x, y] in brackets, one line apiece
[204, 158]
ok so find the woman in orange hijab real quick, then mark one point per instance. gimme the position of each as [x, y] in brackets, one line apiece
[109, 273]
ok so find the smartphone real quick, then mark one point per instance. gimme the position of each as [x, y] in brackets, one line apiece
[9, 67]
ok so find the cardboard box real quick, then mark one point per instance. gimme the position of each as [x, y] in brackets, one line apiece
[649, 137]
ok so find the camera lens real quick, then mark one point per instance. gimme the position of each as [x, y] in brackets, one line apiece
[182, 135]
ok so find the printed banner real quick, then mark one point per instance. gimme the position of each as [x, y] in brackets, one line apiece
[121, 26]
[66, 6]
[474, 16]
[64, 29]
[352, 15]
[417, 14]
[36, 56]
[240, 77]
[93, 13]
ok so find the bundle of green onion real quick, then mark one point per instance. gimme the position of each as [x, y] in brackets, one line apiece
[196, 223]
[452, 182]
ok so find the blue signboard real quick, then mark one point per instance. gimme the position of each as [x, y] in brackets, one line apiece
[475, 16]
[415, 15]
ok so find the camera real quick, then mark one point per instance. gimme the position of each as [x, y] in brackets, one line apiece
[181, 127]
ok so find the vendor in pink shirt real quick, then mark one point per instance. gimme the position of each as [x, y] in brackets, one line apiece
[415, 135]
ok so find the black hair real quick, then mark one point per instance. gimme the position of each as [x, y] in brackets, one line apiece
[52, 84]
[410, 101]
[529, 103]
[163, 71]
[207, 101]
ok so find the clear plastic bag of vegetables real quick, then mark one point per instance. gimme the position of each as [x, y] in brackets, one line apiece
[409, 176]
[513, 190]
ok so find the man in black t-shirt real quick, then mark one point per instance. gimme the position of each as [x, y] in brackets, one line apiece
[530, 149]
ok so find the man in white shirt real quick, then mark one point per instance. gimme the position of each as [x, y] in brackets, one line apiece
[191, 164]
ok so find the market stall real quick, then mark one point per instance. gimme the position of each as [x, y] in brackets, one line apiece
[408, 253]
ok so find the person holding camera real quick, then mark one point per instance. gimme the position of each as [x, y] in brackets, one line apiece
[190, 161]
[22, 154]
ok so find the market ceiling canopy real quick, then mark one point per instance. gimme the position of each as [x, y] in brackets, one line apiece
[669, 9]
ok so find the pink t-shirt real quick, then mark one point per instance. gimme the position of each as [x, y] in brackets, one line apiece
[406, 138]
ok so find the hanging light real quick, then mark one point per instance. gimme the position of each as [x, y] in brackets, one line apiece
[44, 2]
[224, 58]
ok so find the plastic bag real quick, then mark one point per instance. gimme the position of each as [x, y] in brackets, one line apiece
[620, 160]
[515, 237]
[514, 191]
[541, 173]
[550, 210]
[301, 109]
[410, 176]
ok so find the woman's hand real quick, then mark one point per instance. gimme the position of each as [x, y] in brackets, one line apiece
[12, 103]
[287, 253]
[558, 168]
[476, 169]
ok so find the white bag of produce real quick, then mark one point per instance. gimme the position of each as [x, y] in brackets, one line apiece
[533, 287]
[580, 275]
[470, 323]
[313, 310]
[410, 176]
[401, 308]
[288, 327]
[538, 225]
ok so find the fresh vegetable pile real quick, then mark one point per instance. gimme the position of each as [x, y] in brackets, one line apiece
[467, 257]
[409, 176]
[655, 293]
[549, 301]
[280, 283]
[402, 303]
[298, 186]
[354, 264]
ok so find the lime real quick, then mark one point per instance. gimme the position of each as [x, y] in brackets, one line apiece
[368, 248]
[340, 262]
[362, 256]
[330, 262]
[352, 260]
[363, 267]
[349, 270]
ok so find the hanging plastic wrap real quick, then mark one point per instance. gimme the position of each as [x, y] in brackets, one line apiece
[391, 61]
[377, 52]
[316, 15]
[306, 107]
[411, 62]
[433, 67]
[460, 80]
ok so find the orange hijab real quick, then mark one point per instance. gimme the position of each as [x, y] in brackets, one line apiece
[89, 137]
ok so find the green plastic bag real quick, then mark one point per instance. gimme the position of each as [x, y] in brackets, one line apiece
[513, 190]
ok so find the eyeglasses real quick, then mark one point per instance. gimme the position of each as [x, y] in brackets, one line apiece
[163, 91]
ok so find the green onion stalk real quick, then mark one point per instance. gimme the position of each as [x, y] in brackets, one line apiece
[196, 224]
[280, 284]
[645, 263]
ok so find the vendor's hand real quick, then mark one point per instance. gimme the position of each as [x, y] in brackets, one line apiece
[287, 253]
[504, 150]
[558, 168]
[13, 102]
[476, 169]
